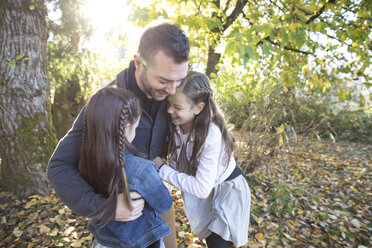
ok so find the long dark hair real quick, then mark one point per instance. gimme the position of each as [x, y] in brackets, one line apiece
[102, 151]
[197, 88]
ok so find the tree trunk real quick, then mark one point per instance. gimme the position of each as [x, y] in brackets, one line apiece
[27, 138]
[213, 60]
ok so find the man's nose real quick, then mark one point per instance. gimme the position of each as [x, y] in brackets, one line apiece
[171, 87]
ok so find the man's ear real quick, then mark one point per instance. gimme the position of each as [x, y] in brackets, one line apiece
[199, 107]
[137, 61]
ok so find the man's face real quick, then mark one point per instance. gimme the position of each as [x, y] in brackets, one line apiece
[161, 77]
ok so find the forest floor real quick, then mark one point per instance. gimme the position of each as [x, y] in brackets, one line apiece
[318, 195]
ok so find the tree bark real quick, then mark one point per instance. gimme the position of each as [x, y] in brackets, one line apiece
[213, 60]
[27, 137]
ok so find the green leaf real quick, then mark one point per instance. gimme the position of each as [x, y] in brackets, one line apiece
[368, 85]
[362, 100]
[293, 38]
[184, 227]
[284, 37]
[229, 47]
[241, 51]
[265, 48]
[20, 56]
[12, 64]
[249, 51]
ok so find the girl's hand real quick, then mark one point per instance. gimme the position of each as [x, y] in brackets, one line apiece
[123, 214]
[158, 161]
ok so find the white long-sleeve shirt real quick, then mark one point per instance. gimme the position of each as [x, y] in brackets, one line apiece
[212, 168]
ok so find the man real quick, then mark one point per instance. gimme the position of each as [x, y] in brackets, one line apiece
[155, 72]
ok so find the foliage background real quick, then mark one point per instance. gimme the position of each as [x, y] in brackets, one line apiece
[284, 72]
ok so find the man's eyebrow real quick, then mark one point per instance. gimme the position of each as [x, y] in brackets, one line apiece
[169, 80]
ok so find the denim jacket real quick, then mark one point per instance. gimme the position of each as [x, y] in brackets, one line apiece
[142, 176]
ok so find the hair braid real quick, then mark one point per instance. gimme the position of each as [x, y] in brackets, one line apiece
[123, 120]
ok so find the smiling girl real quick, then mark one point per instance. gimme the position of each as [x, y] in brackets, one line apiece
[215, 191]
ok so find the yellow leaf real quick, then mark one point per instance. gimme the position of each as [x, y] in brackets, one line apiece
[54, 232]
[343, 229]
[316, 230]
[16, 232]
[32, 7]
[30, 204]
[260, 237]
[300, 212]
[76, 243]
[297, 243]
[280, 140]
[280, 129]
[321, 62]
[294, 25]
[305, 68]
[181, 234]
[289, 237]
[44, 229]
[20, 213]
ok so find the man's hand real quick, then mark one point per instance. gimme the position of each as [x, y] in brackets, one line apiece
[123, 214]
[158, 161]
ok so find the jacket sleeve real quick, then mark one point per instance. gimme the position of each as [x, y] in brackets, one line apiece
[64, 175]
[153, 190]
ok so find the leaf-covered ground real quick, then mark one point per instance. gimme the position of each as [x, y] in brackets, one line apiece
[316, 195]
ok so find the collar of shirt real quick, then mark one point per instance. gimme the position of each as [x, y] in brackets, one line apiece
[183, 137]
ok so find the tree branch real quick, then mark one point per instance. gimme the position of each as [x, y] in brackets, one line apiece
[319, 12]
[283, 10]
[227, 6]
[236, 12]
[285, 47]
[217, 3]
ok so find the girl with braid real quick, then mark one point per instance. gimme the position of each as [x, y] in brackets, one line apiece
[111, 165]
[215, 192]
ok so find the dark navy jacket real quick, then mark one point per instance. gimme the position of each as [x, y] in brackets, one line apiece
[149, 227]
[63, 172]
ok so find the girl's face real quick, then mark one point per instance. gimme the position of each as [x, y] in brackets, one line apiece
[182, 111]
[130, 130]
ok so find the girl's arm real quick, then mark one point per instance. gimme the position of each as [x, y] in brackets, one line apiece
[152, 189]
[203, 183]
